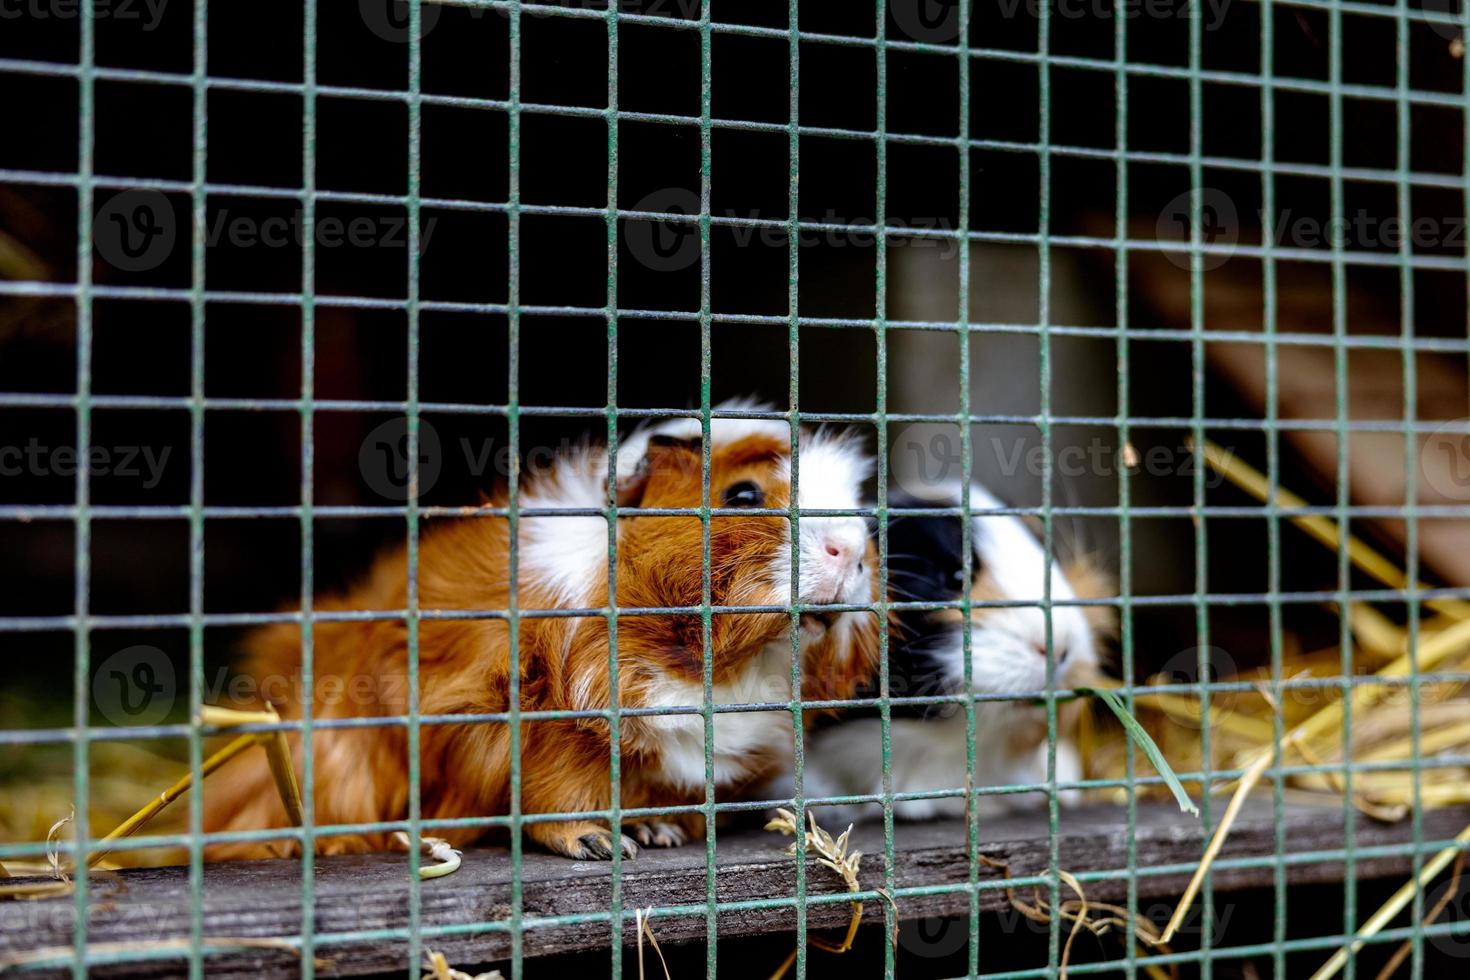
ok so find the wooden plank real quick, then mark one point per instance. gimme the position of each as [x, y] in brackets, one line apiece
[369, 892]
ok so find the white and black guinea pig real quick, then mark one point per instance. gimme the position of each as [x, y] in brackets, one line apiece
[1009, 654]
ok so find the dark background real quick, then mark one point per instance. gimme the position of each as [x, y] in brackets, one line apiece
[253, 348]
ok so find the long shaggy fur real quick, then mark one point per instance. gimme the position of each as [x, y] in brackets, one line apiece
[360, 774]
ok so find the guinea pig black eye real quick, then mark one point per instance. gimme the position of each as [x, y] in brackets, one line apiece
[744, 494]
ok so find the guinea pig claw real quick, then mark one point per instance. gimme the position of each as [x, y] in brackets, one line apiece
[660, 833]
[598, 846]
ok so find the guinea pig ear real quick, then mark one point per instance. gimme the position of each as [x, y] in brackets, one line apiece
[665, 456]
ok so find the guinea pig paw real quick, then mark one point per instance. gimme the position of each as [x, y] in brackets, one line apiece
[597, 846]
[660, 833]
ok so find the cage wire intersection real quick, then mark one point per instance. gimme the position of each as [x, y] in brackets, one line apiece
[84, 623]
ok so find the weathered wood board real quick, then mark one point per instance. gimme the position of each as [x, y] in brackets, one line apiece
[370, 892]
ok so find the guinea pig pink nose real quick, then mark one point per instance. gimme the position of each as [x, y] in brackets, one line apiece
[1041, 649]
[842, 549]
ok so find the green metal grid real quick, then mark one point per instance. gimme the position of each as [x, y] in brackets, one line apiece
[82, 622]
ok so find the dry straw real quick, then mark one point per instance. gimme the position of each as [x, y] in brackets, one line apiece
[831, 853]
[439, 969]
[1386, 726]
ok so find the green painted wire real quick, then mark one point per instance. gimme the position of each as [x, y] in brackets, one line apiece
[1411, 482]
[513, 482]
[1276, 626]
[82, 622]
[82, 558]
[161, 402]
[198, 204]
[1449, 930]
[585, 13]
[307, 491]
[182, 840]
[412, 621]
[1367, 259]
[1241, 164]
[706, 409]
[105, 512]
[1315, 943]
[793, 336]
[1340, 414]
[614, 719]
[962, 331]
[1125, 486]
[1044, 425]
[1201, 527]
[1048, 543]
[880, 410]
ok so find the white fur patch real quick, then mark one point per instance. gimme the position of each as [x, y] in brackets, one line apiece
[830, 477]
[1004, 641]
[567, 555]
[741, 737]
[929, 756]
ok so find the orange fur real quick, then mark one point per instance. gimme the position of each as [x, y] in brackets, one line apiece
[361, 668]
[1091, 581]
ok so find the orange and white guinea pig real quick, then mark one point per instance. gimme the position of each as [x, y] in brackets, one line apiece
[361, 773]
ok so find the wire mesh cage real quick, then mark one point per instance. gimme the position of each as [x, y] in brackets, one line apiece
[1184, 284]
